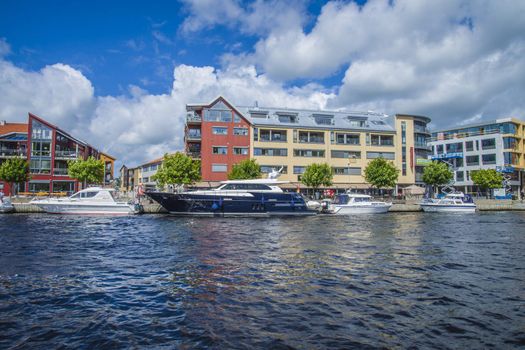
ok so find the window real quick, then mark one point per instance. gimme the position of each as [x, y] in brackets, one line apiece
[219, 150]
[324, 119]
[509, 142]
[287, 118]
[211, 115]
[194, 133]
[240, 151]
[266, 135]
[357, 122]
[459, 162]
[377, 122]
[460, 176]
[403, 133]
[219, 168]
[255, 134]
[510, 158]
[385, 155]
[240, 131]
[299, 169]
[346, 171]
[472, 160]
[219, 130]
[308, 153]
[469, 146]
[488, 144]
[265, 169]
[454, 147]
[40, 132]
[345, 154]
[488, 159]
[258, 114]
[382, 140]
[439, 149]
[311, 137]
[281, 152]
[347, 139]
[244, 187]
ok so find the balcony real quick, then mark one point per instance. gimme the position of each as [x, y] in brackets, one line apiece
[422, 145]
[60, 171]
[66, 155]
[193, 136]
[193, 118]
[5, 153]
[421, 130]
[195, 155]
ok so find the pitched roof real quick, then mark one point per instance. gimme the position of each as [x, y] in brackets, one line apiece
[6, 128]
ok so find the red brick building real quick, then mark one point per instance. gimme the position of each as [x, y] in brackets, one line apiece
[218, 135]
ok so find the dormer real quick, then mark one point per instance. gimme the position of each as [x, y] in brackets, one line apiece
[288, 117]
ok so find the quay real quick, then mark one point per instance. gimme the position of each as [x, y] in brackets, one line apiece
[408, 206]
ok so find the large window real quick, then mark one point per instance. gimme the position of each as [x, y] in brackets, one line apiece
[219, 168]
[218, 113]
[488, 159]
[217, 130]
[311, 137]
[41, 149]
[472, 160]
[40, 132]
[346, 171]
[385, 155]
[40, 166]
[288, 118]
[454, 147]
[240, 131]
[324, 119]
[280, 152]
[469, 146]
[509, 142]
[357, 122]
[240, 151]
[345, 154]
[460, 176]
[308, 153]
[35, 186]
[219, 150]
[298, 169]
[510, 158]
[347, 139]
[381, 140]
[266, 135]
[488, 144]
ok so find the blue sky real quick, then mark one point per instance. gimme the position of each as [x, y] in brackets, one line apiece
[119, 73]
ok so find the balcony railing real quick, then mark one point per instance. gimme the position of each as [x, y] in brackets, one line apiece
[193, 137]
[12, 153]
[66, 154]
[60, 171]
[421, 130]
[463, 135]
[193, 118]
[196, 155]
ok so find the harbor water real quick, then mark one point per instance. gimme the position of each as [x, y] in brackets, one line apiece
[398, 280]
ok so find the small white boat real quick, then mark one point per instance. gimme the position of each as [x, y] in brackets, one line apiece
[5, 205]
[456, 202]
[353, 203]
[92, 200]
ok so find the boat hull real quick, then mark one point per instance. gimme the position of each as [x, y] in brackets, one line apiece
[254, 204]
[6, 208]
[440, 208]
[85, 209]
[360, 209]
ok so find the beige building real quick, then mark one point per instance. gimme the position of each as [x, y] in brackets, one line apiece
[292, 139]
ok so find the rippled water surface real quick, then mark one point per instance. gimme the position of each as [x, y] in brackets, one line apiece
[409, 280]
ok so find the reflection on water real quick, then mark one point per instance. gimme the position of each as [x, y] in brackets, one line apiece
[394, 281]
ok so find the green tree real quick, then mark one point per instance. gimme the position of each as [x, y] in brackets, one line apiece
[316, 175]
[13, 171]
[178, 169]
[487, 178]
[437, 173]
[381, 173]
[246, 169]
[89, 171]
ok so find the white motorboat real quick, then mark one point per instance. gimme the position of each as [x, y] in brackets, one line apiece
[456, 202]
[92, 200]
[353, 203]
[5, 205]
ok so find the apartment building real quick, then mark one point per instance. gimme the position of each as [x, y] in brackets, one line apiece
[292, 139]
[13, 143]
[497, 144]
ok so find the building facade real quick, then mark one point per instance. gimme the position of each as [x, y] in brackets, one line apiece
[292, 139]
[13, 143]
[497, 144]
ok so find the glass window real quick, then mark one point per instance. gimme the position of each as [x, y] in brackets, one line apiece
[323, 119]
[40, 132]
[488, 144]
[509, 142]
[219, 168]
[288, 118]
[267, 135]
[382, 140]
[311, 137]
[357, 122]
[469, 146]
[282, 152]
[219, 130]
[346, 171]
[472, 160]
[460, 176]
[345, 154]
[216, 115]
[240, 151]
[488, 159]
[219, 150]
[347, 139]
[298, 169]
[385, 155]
[439, 149]
[454, 147]
[240, 131]
[308, 153]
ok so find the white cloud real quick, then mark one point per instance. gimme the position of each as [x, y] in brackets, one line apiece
[5, 48]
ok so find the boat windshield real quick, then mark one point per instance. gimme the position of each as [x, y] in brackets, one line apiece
[245, 187]
[341, 199]
[361, 199]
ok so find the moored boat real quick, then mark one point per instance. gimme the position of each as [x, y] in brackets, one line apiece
[91, 201]
[259, 197]
[456, 202]
[5, 205]
[353, 203]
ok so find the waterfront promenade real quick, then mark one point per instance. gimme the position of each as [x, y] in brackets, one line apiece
[22, 206]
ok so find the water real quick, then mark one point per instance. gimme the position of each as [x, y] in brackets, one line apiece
[409, 280]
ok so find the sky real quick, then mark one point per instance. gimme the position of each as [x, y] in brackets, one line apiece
[118, 74]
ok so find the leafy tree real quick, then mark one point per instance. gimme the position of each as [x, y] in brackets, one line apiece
[86, 171]
[381, 173]
[178, 169]
[316, 175]
[487, 178]
[246, 169]
[437, 173]
[13, 171]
